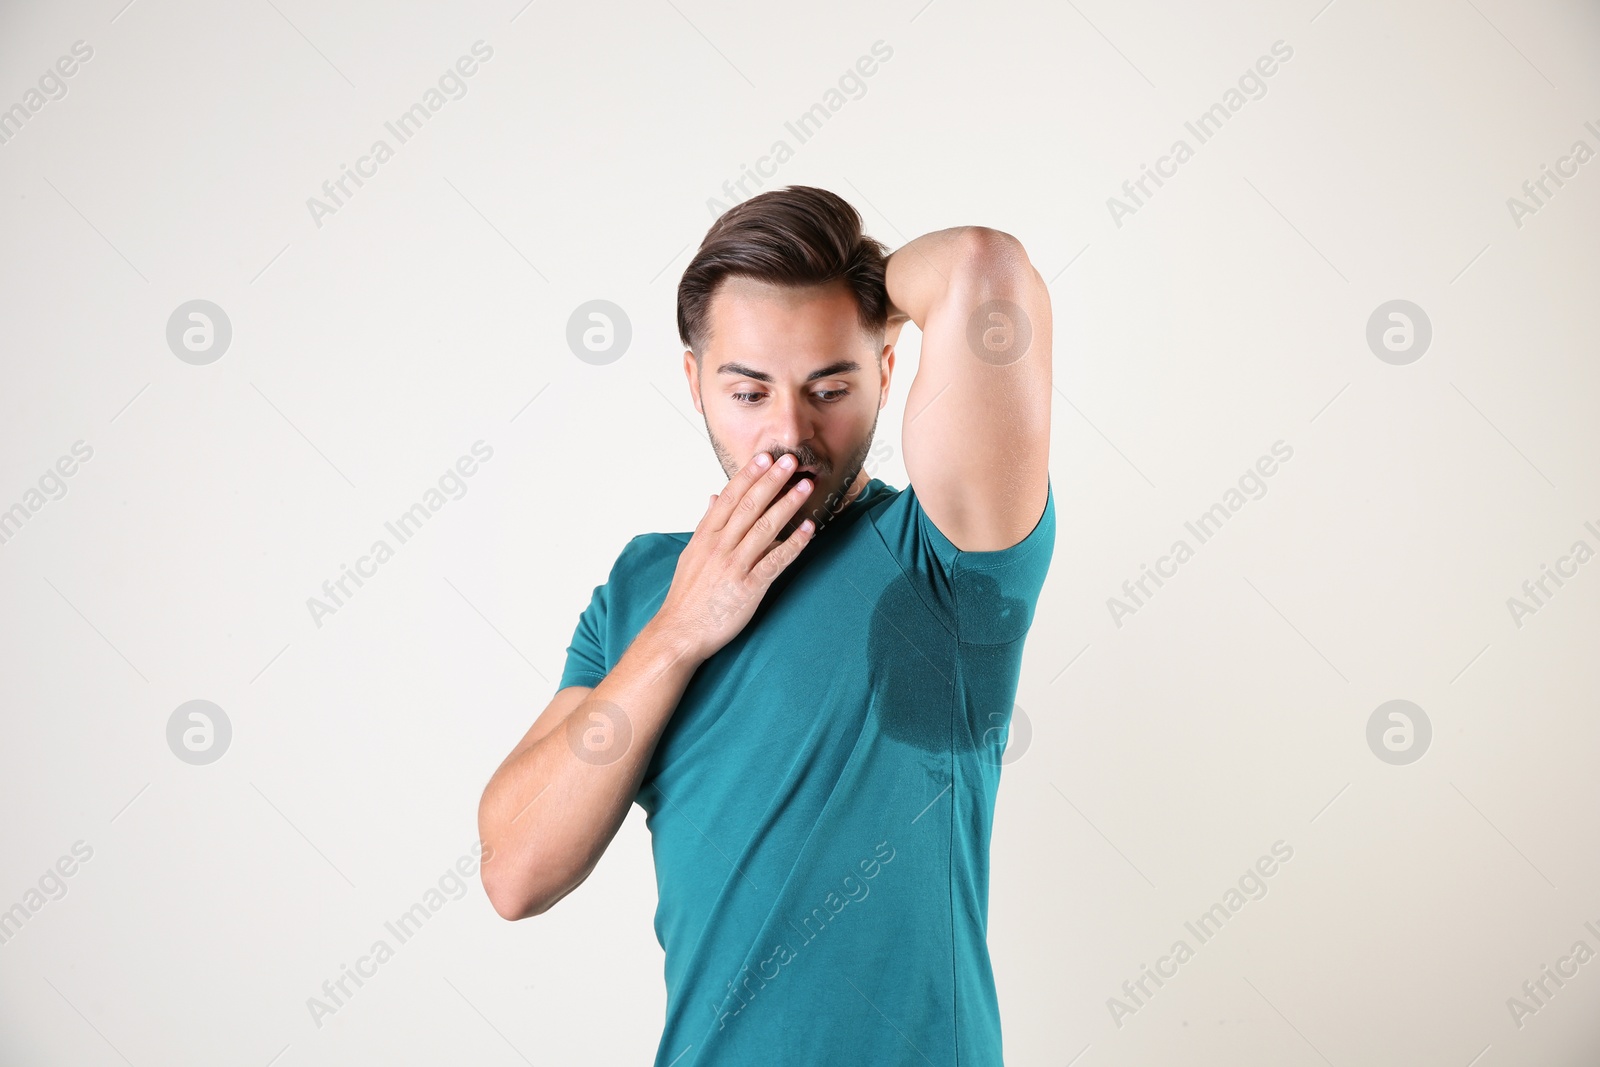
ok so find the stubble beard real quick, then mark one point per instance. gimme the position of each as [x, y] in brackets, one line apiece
[819, 510]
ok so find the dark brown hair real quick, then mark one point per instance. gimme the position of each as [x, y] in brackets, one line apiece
[796, 236]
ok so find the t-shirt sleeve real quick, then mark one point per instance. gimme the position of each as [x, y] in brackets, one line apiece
[588, 659]
[986, 598]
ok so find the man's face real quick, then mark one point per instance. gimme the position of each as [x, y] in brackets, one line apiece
[789, 371]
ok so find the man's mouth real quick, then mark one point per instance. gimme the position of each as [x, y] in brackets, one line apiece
[794, 479]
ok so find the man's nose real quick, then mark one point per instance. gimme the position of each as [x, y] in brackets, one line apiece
[791, 423]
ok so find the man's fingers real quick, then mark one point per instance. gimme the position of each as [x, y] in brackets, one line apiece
[782, 554]
[753, 502]
[705, 519]
[773, 519]
[737, 486]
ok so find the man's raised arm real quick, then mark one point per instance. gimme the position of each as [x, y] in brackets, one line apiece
[976, 437]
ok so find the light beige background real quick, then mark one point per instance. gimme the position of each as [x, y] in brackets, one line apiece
[430, 312]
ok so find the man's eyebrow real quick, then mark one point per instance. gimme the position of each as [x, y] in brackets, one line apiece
[843, 366]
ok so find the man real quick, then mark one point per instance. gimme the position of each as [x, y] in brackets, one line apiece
[809, 694]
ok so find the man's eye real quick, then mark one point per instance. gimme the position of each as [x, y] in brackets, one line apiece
[829, 396]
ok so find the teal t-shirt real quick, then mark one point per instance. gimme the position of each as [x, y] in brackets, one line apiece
[820, 802]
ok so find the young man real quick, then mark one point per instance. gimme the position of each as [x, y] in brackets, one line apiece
[809, 693]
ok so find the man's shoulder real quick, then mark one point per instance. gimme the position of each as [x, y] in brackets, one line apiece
[646, 553]
[648, 546]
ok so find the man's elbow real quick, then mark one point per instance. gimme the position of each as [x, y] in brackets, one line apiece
[510, 901]
[993, 250]
[513, 902]
[512, 907]
[507, 909]
[992, 262]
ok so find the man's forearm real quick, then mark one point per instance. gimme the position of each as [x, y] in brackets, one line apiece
[551, 809]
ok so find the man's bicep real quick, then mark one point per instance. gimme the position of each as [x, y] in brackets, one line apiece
[976, 439]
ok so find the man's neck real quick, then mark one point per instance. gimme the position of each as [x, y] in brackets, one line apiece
[857, 487]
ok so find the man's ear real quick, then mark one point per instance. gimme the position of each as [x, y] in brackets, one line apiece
[888, 373]
[691, 372]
